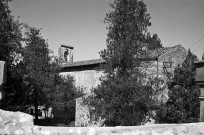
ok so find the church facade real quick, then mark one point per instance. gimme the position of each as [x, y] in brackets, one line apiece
[161, 63]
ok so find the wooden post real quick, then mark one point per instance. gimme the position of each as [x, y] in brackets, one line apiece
[200, 81]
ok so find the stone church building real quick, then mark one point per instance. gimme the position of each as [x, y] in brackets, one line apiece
[161, 64]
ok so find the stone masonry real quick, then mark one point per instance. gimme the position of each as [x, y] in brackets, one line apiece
[2, 78]
[12, 122]
[171, 55]
[86, 80]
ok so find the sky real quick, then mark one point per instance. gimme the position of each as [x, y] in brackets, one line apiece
[79, 23]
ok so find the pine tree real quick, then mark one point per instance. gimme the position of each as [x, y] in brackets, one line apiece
[153, 41]
[123, 98]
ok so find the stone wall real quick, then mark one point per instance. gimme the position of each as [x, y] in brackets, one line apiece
[82, 115]
[12, 122]
[163, 129]
[2, 78]
[17, 123]
[86, 79]
[175, 56]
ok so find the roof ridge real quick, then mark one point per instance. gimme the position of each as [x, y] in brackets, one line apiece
[89, 60]
[85, 62]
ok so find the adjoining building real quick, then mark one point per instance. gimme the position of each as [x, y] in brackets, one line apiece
[161, 64]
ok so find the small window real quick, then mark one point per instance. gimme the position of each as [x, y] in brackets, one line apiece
[167, 64]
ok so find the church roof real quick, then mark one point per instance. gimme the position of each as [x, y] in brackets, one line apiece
[158, 52]
[84, 63]
[152, 55]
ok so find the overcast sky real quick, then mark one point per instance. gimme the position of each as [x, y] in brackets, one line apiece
[79, 23]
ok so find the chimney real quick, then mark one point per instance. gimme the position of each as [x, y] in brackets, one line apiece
[65, 53]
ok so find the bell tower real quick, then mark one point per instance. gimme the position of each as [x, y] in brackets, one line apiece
[65, 54]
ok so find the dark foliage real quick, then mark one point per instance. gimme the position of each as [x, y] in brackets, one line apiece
[11, 51]
[153, 42]
[32, 74]
[64, 95]
[183, 103]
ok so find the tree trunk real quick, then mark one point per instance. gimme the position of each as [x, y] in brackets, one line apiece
[36, 106]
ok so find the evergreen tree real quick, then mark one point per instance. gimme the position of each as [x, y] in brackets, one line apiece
[11, 52]
[39, 70]
[123, 98]
[153, 41]
[183, 103]
[10, 35]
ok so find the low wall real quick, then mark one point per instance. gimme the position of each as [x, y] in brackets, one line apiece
[20, 123]
[12, 122]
